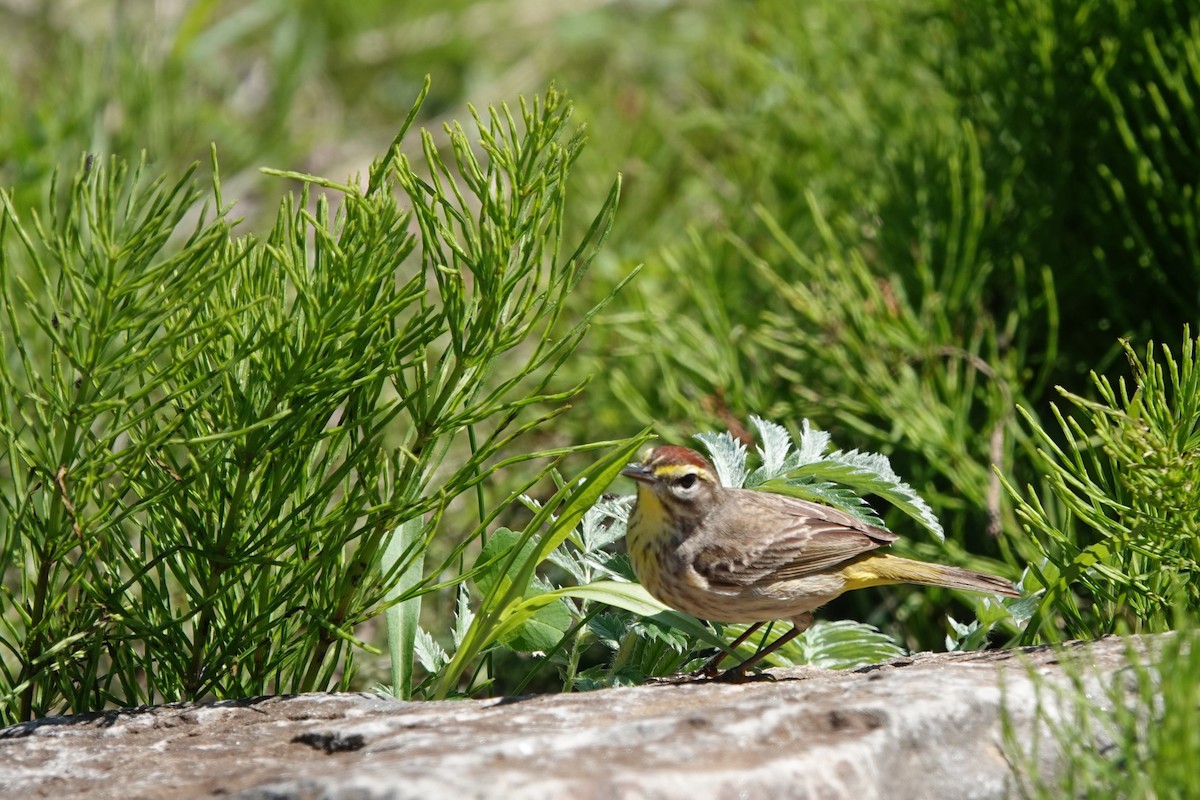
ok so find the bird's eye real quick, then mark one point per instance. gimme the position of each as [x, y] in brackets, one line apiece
[687, 481]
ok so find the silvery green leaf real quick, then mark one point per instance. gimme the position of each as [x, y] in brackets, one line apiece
[728, 456]
[589, 526]
[844, 644]
[604, 523]
[776, 444]
[873, 473]
[463, 616]
[567, 561]
[965, 636]
[839, 479]
[1022, 609]
[812, 445]
[533, 504]
[540, 585]
[603, 566]
[826, 493]
[428, 652]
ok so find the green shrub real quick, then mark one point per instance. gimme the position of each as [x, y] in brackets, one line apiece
[1086, 112]
[209, 440]
[1117, 523]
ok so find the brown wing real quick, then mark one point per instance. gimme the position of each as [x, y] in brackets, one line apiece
[796, 538]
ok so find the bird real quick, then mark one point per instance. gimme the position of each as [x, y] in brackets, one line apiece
[734, 555]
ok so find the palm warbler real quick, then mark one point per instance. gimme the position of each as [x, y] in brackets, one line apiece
[736, 555]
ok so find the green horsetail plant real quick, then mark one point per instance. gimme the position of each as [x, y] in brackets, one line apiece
[1117, 520]
[222, 453]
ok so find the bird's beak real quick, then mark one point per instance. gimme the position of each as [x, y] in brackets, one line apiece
[639, 473]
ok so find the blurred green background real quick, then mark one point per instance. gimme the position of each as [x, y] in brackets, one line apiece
[904, 220]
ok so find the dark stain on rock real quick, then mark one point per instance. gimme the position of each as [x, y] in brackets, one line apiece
[855, 721]
[331, 743]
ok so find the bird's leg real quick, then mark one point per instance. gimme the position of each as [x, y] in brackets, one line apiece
[799, 625]
[711, 669]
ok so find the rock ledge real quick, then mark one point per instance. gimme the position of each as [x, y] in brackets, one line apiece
[927, 726]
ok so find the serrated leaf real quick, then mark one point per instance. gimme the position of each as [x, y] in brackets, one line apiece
[842, 644]
[812, 445]
[569, 563]
[774, 448]
[651, 628]
[598, 677]
[845, 644]
[1023, 608]
[619, 566]
[430, 654]
[504, 606]
[463, 616]
[609, 628]
[880, 479]
[603, 565]
[870, 473]
[826, 494]
[605, 522]
[965, 636]
[728, 456]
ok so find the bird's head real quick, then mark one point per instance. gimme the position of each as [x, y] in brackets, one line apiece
[680, 478]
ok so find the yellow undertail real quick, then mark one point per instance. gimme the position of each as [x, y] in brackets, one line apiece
[879, 569]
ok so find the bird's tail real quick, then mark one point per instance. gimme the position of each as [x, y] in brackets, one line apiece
[877, 569]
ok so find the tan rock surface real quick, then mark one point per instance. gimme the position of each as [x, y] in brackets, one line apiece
[921, 727]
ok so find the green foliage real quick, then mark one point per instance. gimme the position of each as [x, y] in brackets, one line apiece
[817, 102]
[403, 618]
[838, 644]
[814, 249]
[514, 609]
[1137, 739]
[872, 307]
[523, 612]
[1117, 521]
[924, 368]
[806, 469]
[213, 441]
[1042, 204]
[1087, 112]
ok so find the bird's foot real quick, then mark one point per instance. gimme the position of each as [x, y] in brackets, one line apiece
[676, 679]
[710, 674]
[738, 675]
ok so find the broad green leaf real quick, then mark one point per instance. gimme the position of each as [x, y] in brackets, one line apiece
[629, 596]
[403, 618]
[497, 554]
[542, 630]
